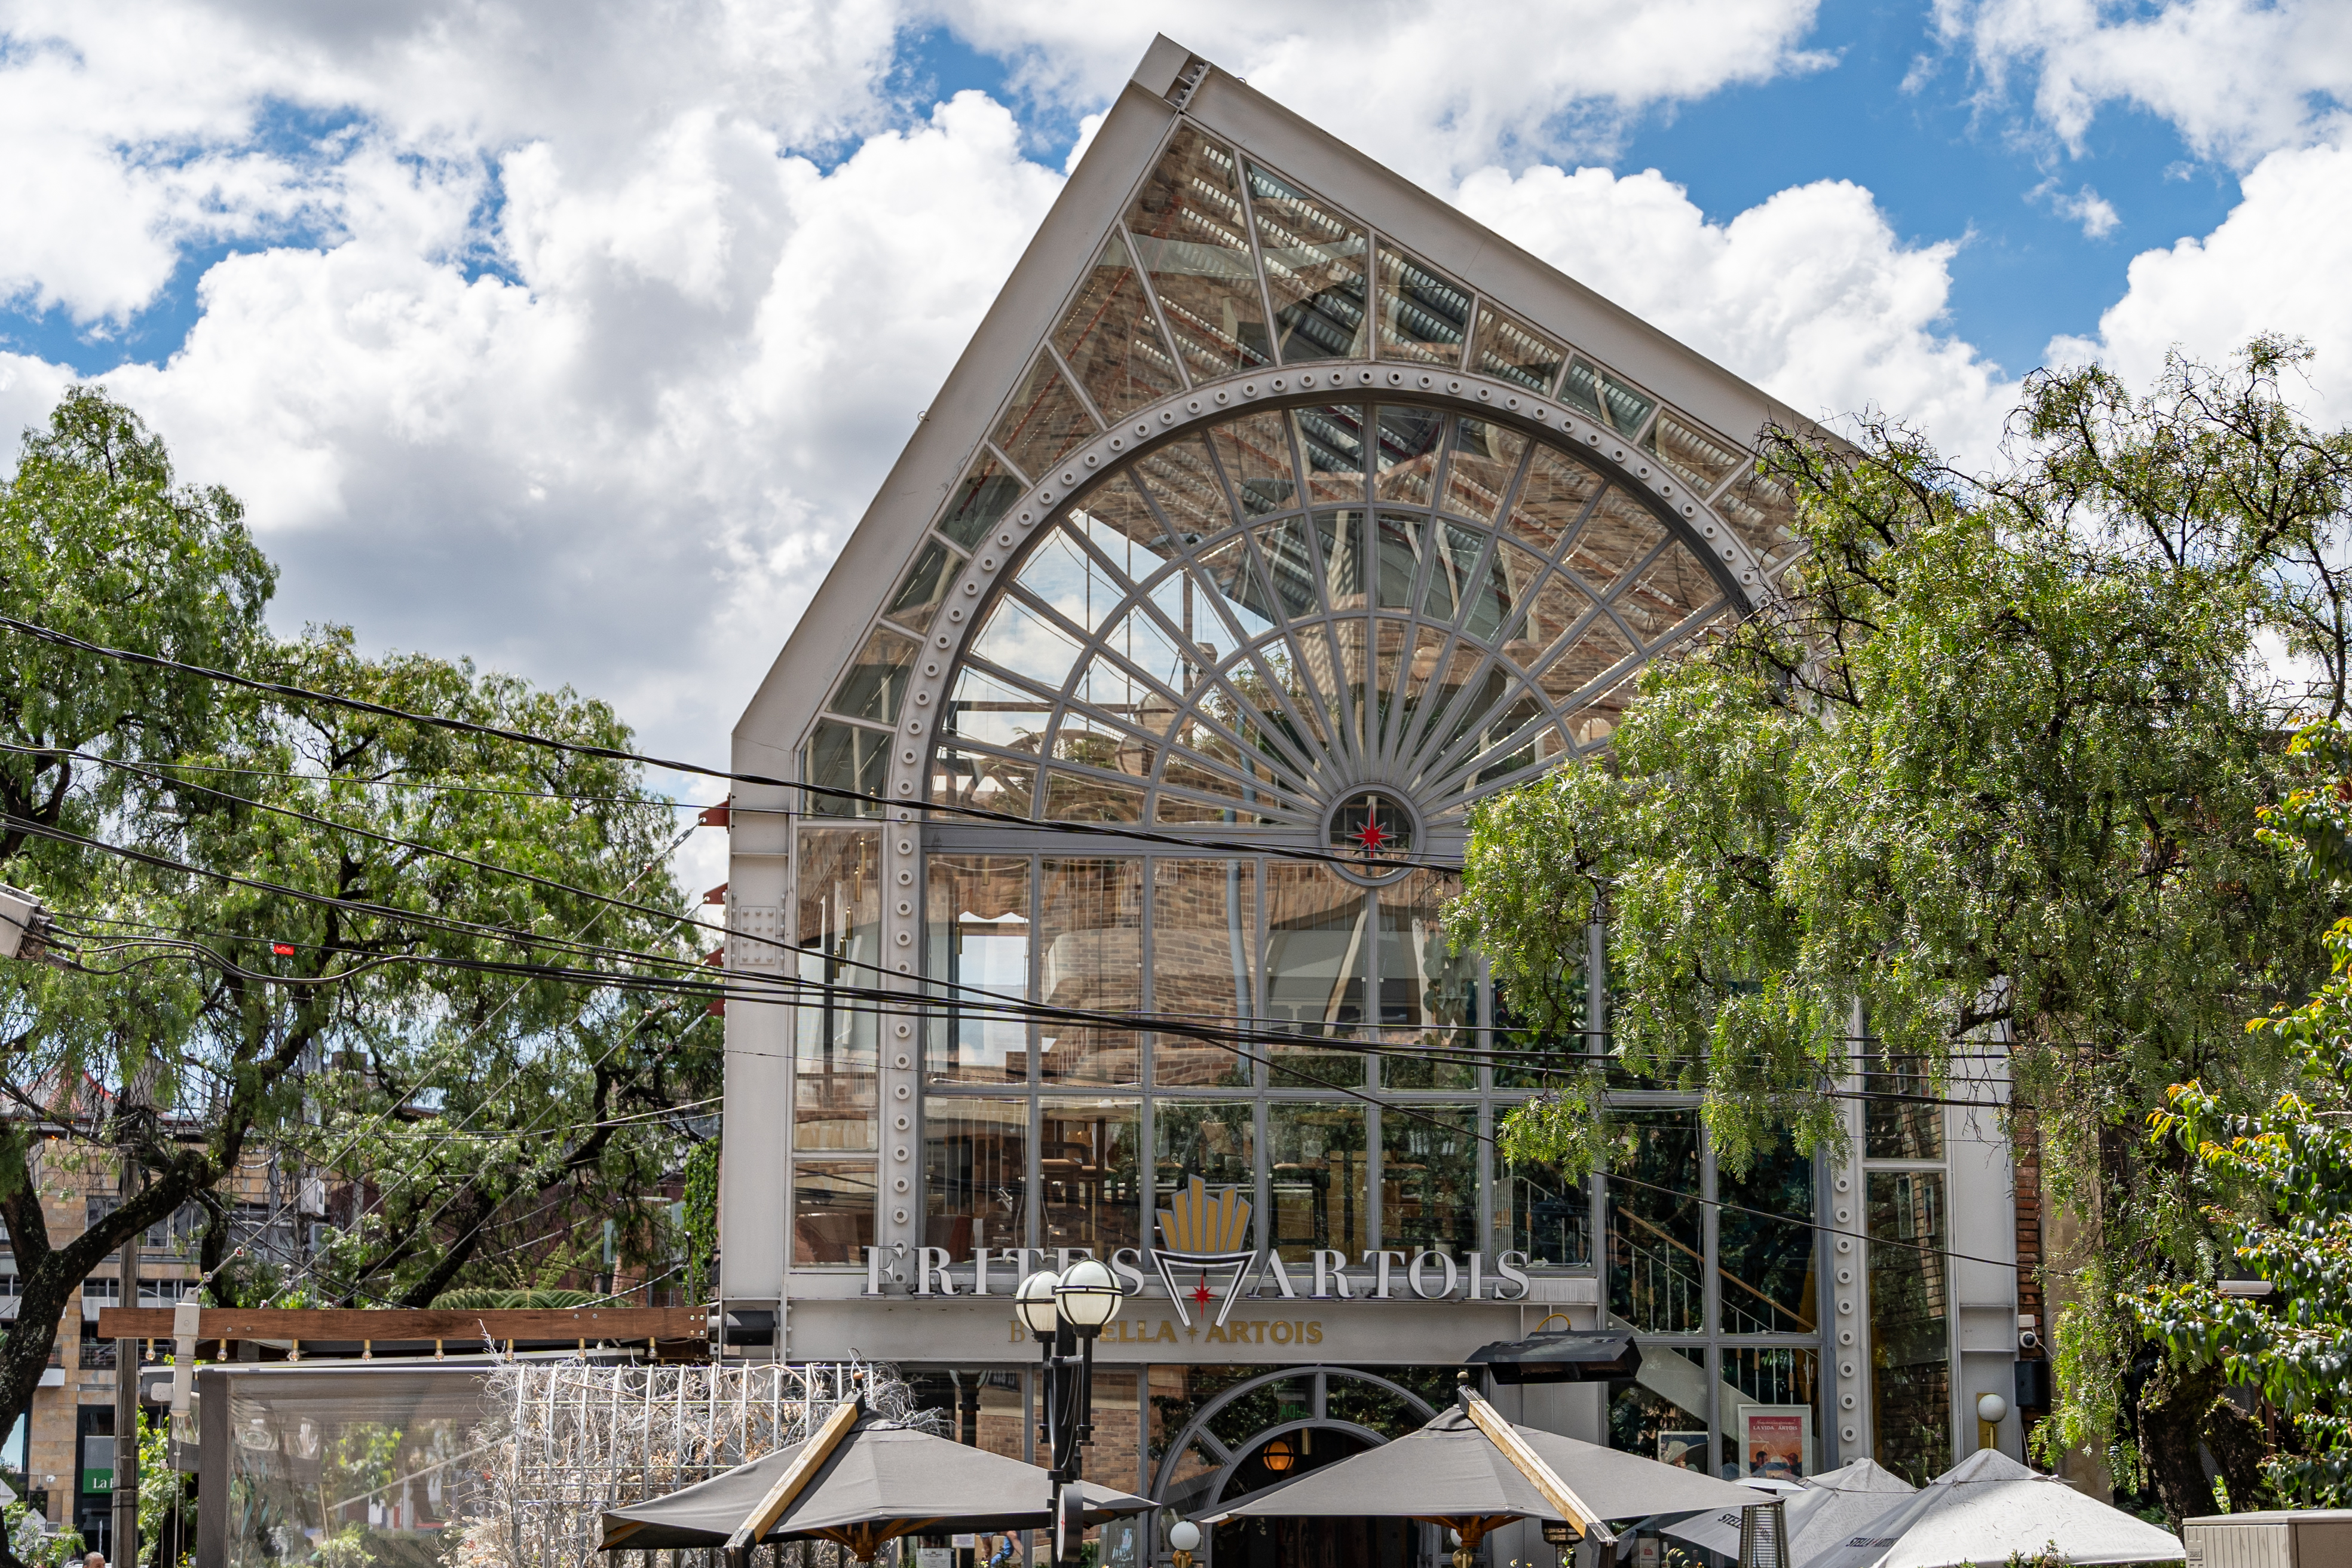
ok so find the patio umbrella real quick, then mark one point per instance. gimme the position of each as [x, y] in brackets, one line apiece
[1824, 1513]
[1989, 1506]
[869, 1481]
[1462, 1471]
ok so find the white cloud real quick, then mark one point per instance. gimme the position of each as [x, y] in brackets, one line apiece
[2094, 212]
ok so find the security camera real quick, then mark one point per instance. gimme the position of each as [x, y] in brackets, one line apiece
[2027, 1339]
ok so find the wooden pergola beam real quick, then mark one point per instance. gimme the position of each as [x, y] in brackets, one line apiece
[386, 1325]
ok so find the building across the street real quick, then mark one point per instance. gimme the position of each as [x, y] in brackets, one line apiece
[1275, 513]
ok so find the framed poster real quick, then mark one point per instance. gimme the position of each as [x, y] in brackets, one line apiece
[1687, 1451]
[1775, 1441]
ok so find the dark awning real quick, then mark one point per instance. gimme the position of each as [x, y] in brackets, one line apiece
[1563, 1355]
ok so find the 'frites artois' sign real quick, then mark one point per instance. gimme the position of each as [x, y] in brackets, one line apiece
[1205, 1260]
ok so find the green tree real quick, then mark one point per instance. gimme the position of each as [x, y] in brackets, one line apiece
[1991, 770]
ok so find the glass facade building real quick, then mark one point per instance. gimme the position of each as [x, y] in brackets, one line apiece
[1277, 514]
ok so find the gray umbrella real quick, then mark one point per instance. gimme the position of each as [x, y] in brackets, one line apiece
[880, 1482]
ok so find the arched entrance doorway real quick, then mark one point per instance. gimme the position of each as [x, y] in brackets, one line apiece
[1271, 1429]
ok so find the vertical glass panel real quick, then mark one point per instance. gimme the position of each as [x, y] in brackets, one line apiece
[1555, 607]
[1391, 645]
[1429, 1178]
[1509, 350]
[1273, 682]
[1090, 956]
[1251, 758]
[975, 1173]
[1290, 565]
[1073, 797]
[1045, 420]
[874, 683]
[1691, 451]
[1316, 1182]
[1019, 640]
[1090, 1172]
[1910, 1325]
[1429, 994]
[1340, 533]
[1508, 745]
[1061, 573]
[845, 758]
[1614, 539]
[1182, 481]
[1493, 613]
[1321, 661]
[1450, 575]
[1585, 660]
[1215, 1140]
[1236, 585]
[1764, 1265]
[1111, 341]
[1423, 314]
[1426, 680]
[1315, 967]
[1604, 397]
[925, 583]
[1351, 655]
[963, 776]
[1192, 238]
[1656, 1276]
[838, 892]
[1551, 498]
[1660, 1413]
[1901, 1122]
[1485, 690]
[1204, 966]
[1773, 1431]
[1333, 439]
[1486, 458]
[1543, 1214]
[1314, 265]
[1404, 449]
[997, 712]
[1116, 521]
[1762, 511]
[1256, 452]
[832, 1211]
[1397, 555]
[984, 495]
[1140, 641]
[976, 949]
[1669, 590]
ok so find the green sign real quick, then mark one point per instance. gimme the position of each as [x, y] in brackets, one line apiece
[98, 1480]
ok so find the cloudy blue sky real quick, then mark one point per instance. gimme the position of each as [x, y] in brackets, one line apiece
[574, 336]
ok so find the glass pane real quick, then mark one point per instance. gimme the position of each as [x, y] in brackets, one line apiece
[1392, 644]
[845, 758]
[997, 712]
[1660, 1413]
[1429, 994]
[1764, 1267]
[1316, 1179]
[1358, 1399]
[838, 895]
[963, 776]
[1429, 1179]
[1910, 1325]
[1618, 534]
[1018, 638]
[1405, 443]
[1423, 314]
[1453, 569]
[1235, 584]
[1556, 606]
[1426, 679]
[1062, 574]
[1541, 1212]
[1899, 1128]
[976, 946]
[1583, 661]
[1604, 397]
[1076, 797]
[1657, 1281]
[1314, 969]
[1671, 590]
[1090, 956]
[1761, 511]
[1313, 269]
[1493, 616]
[1596, 718]
[975, 1173]
[1510, 349]
[1203, 965]
[1270, 679]
[873, 685]
[1091, 740]
[1045, 420]
[1191, 235]
[1215, 1140]
[1551, 498]
[985, 495]
[1142, 644]
[1324, 668]
[1692, 452]
[1485, 691]
[1522, 1055]
[1253, 759]
[1256, 452]
[1486, 458]
[1396, 552]
[1184, 485]
[1187, 1481]
[832, 1211]
[1116, 521]
[1333, 439]
[1289, 565]
[1111, 341]
[1090, 1174]
[925, 586]
[1775, 1432]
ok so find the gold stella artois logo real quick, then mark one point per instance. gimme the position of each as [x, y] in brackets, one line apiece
[1204, 1236]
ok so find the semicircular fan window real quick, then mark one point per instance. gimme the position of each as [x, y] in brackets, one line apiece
[1241, 628]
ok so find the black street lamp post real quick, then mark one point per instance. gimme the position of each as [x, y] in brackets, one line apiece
[1065, 1314]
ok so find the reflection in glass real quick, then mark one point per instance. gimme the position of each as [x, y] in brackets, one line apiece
[1672, 588]
[1910, 1325]
[842, 761]
[1090, 1174]
[1899, 1128]
[1783, 1376]
[925, 586]
[1764, 1265]
[832, 1210]
[1313, 269]
[975, 1173]
[1256, 452]
[1019, 639]
[839, 935]
[1204, 966]
[1215, 1140]
[1429, 1178]
[976, 946]
[1191, 235]
[1553, 495]
[1076, 797]
[1657, 1281]
[1660, 1413]
[996, 712]
[1510, 349]
[1618, 535]
[1060, 572]
[1543, 1214]
[1045, 420]
[1429, 993]
[964, 775]
[1405, 454]
[1111, 343]
[1691, 452]
[1604, 397]
[1315, 966]
[1761, 511]
[1333, 439]
[1597, 649]
[1423, 314]
[875, 682]
[982, 497]
[1090, 957]
[1485, 459]
[1316, 1179]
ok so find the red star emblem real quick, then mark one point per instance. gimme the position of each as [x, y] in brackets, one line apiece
[1370, 835]
[1200, 1292]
